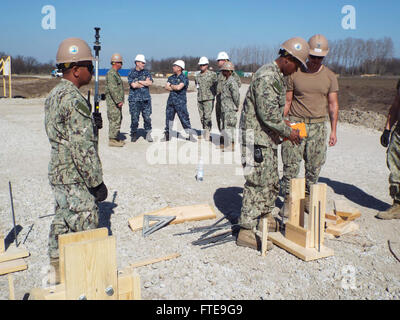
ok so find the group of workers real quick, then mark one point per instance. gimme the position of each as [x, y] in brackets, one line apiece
[295, 88]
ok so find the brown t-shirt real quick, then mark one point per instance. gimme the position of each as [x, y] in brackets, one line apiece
[310, 92]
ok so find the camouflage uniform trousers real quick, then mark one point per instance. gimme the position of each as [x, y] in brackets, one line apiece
[228, 125]
[205, 112]
[261, 188]
[75, 210]
[218, 111]
[393, 164]
[114, 115]
[312, 149]
[183, 114]
[137, 107]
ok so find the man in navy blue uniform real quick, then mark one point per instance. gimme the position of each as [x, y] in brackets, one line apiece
[139, 99]
[177, 85]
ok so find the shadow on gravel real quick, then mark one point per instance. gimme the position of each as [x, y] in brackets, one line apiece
[229, 202]
[106, 209]
[355, 194]
[10, 238]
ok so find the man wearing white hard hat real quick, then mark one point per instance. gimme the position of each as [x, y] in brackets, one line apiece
[221, 59]
[140, 80]
[311, 98]
[177, 85]
[206, 82]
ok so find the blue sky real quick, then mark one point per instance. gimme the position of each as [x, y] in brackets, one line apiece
[160, 28]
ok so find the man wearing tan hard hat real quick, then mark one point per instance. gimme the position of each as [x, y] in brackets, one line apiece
[262, 128]
[75, 170]
[115, 100]
[312, 97]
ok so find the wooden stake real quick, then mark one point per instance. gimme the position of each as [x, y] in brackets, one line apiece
[264, 240]
[11, 286]
[151, 261]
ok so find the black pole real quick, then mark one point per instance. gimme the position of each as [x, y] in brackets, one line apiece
[13, 214]
[97, 49]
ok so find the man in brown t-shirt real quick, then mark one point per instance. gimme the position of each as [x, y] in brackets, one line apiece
[311, 96]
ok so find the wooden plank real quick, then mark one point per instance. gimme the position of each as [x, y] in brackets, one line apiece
[343, 228]
[317, 201]
[306, 254]
[11, 286]
[90, 268]
[13, 253]
[151, 261]
[13, 266]
[74, 237]
[2, 247]
[129, 285]
[296, 234]
[264, 239]
[349, 216]
[50, 293]
[183, 214]
[296, 206]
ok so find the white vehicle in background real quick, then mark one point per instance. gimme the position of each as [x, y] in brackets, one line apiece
[56, 73]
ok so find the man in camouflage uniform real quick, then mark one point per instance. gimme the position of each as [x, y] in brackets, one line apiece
[177, 85]
[311, 95]
[115, 101]
[75, 170]
[221, 59]
[140, 80]
[393, 158]
[262, 127]
[230, 99]
[206, 82]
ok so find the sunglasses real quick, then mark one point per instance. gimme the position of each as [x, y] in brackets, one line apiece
[90, 67]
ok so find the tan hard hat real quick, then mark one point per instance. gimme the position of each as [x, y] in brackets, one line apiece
[298, 48]
[318, 45]
[228, 66]
[73, 50]
[116, 57]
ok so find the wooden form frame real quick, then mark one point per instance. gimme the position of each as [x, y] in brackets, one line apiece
[89, 270]
[305, 243]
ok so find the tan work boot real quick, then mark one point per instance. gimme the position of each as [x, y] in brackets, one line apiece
[115, 143]
[54, 272]
[392, 213]
[247, 238]
[273, 224]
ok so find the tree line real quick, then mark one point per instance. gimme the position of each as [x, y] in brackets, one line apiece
[348, 56]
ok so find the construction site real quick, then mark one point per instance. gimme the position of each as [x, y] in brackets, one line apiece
[345, 254]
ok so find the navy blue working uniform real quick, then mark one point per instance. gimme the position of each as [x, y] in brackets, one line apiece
[177, 103]
[139, 100]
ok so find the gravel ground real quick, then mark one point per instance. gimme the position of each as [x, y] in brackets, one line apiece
[355, 171]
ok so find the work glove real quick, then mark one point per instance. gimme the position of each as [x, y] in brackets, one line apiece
[100, 192]
[385, 138]
[98, 121]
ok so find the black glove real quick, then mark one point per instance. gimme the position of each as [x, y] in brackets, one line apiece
[98, 121]
[100, 192]
[385, 137]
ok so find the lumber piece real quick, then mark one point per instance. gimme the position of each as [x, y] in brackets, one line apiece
[2, 247]
[13, 253]
[129, 285]
[343, 228]
[13, 266]
[344, 209]
[91, 268]
[317, 205]
[296, 205]
[306, 254]
[264, 239]
[151, 261]
[51, 293]
[74, 237]
[11, 286]
[296, 234]
[183, 214]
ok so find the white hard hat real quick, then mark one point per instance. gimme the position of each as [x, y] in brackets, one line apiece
[203, 60]
[140, 58]
[179, 63]
[223, 56]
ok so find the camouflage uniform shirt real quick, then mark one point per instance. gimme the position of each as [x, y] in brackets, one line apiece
[69, 127]
[230, 97]
[114, 86]
[221, 79]
[139, 94]
[206, 85]
[178, 97]
[263, 107]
